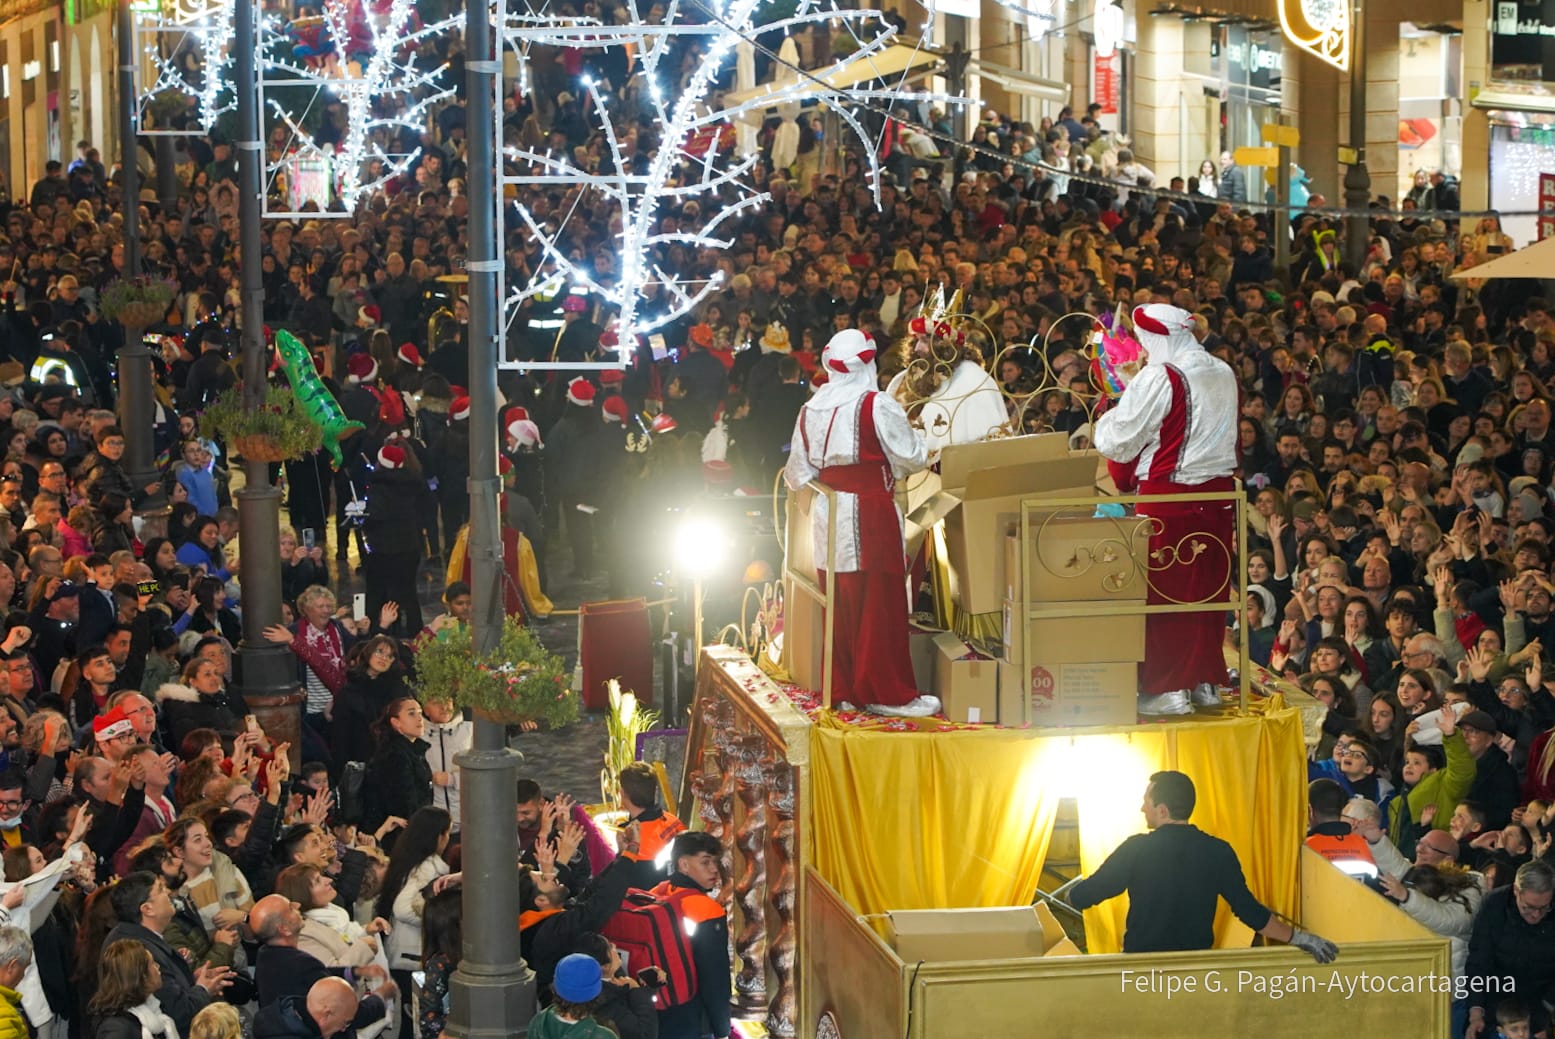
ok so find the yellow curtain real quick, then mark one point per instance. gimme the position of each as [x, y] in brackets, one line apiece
[963, 819]
[931, 820]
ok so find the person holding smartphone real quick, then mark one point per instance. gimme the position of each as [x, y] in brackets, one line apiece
[626, 999]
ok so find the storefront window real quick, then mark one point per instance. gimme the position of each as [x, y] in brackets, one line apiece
[1249, 65]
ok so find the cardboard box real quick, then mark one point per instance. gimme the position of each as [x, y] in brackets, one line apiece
[1073, 640]
[1052, 930]
[968, 685]
[1053, 695]
[920, 643]
[949, 935]
[1064, 947]
[1071, 557]
[983, 487]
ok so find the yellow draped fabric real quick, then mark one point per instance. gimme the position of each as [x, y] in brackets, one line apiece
[963, 819]
[922, 821]
[529, 580]
[528, 571]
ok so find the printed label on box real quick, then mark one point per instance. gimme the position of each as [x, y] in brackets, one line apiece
[1043, 688]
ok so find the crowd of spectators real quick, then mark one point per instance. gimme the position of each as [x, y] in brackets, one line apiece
[1395, 438]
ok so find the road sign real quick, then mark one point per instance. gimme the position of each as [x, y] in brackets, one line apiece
[1283, 136]
[1257, 156]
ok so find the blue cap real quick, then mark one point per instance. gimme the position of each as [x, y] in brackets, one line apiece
[578, 978]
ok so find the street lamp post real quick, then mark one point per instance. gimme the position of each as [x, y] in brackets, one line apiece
[1357, 181]
[492, 994]
[268, 672]
[137, 410]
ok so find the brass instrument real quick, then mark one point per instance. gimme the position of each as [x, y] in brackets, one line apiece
[442, 320]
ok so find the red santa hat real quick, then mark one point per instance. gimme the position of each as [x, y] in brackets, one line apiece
[111, 725]
[368, 315]
[574, 305]
[581, 392]
[615, 409]
[849, 351]
[717, 473]
[391, 456]
[408, 354]
[524, 433]
[611, 377]
[663, 423]
[361, 368]
[1161, 327]
[459, 410]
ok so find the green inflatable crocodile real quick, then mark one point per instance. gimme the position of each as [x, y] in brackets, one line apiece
[317, 402]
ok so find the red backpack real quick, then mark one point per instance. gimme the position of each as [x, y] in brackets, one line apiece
[651, 928]
[391, 408]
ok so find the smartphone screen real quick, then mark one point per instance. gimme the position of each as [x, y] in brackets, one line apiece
[307, 537]
[656, 344]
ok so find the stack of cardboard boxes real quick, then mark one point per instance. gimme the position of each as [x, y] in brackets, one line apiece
[1052, 670]
[1058, 669]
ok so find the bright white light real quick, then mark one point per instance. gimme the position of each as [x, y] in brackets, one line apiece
[701, 546]
[1107, 27]
[1101, 769]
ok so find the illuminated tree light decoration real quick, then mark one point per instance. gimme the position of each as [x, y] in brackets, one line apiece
[689, 162]
[179, 30]
[365, 57]
[370, 66]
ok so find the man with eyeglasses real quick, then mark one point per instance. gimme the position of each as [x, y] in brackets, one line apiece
[15, 826]
[1514, 937]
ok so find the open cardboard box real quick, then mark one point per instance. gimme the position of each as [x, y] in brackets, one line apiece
[982, 487]
[950, 935]
[966, 683]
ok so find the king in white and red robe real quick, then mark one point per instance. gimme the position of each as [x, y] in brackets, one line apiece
[1173, 431]
[859, 442]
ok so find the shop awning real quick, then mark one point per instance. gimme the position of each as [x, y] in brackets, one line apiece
[1018, 82]
[1514, 101]
[1532, 261]
[888, 65]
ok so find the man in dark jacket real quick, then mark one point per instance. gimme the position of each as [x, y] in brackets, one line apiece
[145, 908]
[396, 492]
[549, 932]
[1513, 937]
[695, 858]
[325, 1012]
[283, 970]
[1495, 786]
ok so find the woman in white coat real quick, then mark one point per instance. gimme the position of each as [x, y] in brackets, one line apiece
[416, 863]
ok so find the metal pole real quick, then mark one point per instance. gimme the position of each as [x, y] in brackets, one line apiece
[137, 410]
[1282, 213]
[1357, 181]
[267, 673]
[492, 994]
[129, 171]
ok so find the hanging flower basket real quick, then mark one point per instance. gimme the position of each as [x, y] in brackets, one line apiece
[276, 431]
[259, 448]
[138, 302]
[518, 681]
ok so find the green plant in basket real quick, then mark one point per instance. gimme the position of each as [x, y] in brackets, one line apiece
[626, 720]
[137, 302]
[519, 680]
[275, 431]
